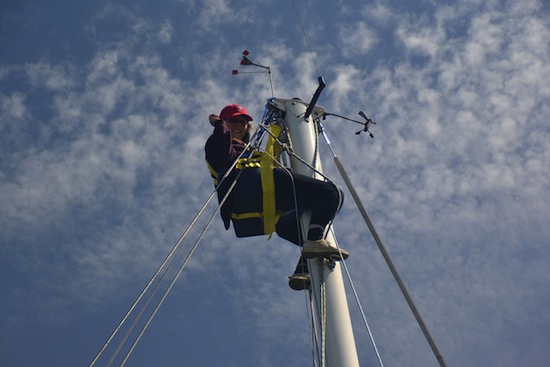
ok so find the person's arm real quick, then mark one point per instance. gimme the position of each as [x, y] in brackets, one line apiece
[221, 149]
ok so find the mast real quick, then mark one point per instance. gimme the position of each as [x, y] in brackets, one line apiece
[331, 306]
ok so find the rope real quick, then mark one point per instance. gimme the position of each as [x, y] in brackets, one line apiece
[322, 306]
[312, 329]
[158, 278]
[321, 350]
[174, 250]
[318, 353]
[193, 249]
[291, 152]
[170, 258]
[159, 304]
[323, 316]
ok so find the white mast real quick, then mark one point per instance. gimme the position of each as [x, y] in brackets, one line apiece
[339, 340]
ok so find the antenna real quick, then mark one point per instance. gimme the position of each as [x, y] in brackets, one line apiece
[316, 95]
[248, 61]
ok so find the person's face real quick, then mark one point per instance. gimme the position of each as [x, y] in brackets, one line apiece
[238, 126]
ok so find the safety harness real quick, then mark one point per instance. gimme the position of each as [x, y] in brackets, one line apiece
[254, 213]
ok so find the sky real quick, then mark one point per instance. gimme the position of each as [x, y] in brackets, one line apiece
[103, 120]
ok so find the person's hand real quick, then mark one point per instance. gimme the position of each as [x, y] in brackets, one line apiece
[213, 119]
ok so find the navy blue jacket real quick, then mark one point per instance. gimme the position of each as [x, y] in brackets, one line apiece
[221, 151]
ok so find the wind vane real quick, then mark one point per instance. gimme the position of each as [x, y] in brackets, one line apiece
[247, 61]
[366, 124]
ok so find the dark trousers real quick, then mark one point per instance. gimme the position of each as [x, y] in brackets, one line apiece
[293, 191]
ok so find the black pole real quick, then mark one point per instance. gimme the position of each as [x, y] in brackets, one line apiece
[315, 97]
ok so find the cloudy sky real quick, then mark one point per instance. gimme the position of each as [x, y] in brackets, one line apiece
[103, 119]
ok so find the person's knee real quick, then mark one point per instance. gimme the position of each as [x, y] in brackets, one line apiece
[336, 198]
[340, 198]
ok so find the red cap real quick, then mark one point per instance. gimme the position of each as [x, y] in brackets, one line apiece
[234, 110]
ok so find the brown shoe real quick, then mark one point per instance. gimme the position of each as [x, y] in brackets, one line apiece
[322, 248]
[299, 281]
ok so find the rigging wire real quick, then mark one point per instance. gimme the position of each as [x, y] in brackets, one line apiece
[312, 329]
[152, 280]
[179, 246]
[323, 316]
[318, 348]
[170, 258]
[356, 296]
[175, 278]
[193, 249]
[317, 351]
[374, 233]
[176, 249]
[323, 291]
[387, 257]
[305, 37]
[321, 346]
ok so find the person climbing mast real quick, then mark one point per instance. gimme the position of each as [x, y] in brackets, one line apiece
[294, 193]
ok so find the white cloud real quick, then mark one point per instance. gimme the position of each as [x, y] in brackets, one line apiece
[423, 41]
[166, 32]
[13, 106]
[46, 75]
[357, 39]
[347, 82]
[214, 12]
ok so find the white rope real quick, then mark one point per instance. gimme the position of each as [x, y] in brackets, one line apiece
[312, 328]
[323, 295]
[170, 259]
[191, 252]
[171, 254]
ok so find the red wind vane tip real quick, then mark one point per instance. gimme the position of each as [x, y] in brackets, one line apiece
[246, 61]
[235, 72]
[245, 52]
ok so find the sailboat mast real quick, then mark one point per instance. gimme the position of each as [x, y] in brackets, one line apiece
[328, 287]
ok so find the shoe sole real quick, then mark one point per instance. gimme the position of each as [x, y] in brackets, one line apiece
[299, 284]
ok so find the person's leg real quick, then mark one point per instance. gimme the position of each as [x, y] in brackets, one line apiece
[322, 198]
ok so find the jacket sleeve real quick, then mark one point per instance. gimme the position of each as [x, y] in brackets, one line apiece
[220, 154]
[221, 150]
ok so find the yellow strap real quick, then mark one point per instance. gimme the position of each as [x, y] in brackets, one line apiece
[268, 183]
[251, 215]
[246, 215]
[213, 173]
[253, 162]
[266, 162]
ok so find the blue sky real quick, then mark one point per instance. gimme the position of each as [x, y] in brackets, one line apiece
[103, 119]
